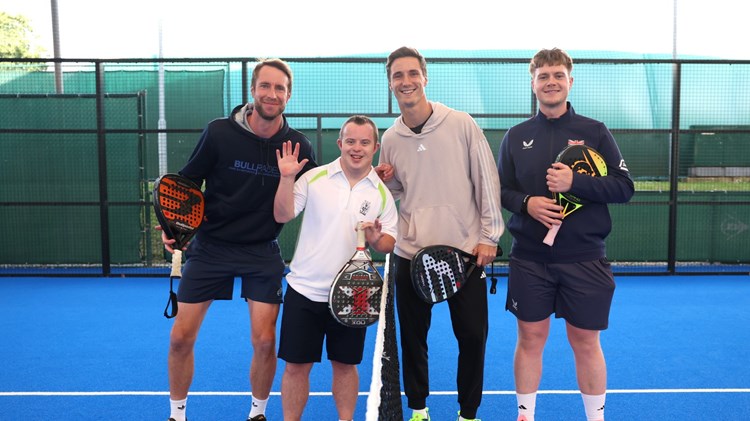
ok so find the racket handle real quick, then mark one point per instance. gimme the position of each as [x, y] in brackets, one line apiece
[176, 263]
[549, 239]
[360, 236]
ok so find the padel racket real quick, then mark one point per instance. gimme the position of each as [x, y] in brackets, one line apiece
[179, 206]
[354, 299]
[439, 272]
[582, 160]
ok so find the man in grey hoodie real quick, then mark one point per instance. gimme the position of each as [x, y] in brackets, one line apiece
[436, 161]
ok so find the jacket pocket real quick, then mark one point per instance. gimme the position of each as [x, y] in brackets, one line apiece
[436, 225]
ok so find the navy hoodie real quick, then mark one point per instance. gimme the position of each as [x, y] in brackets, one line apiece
[526, 152]
[241, 176]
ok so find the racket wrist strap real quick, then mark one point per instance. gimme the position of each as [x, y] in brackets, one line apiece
[176, 272]
[171, 302]
[493, 279]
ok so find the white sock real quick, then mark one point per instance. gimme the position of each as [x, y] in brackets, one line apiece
[177, 409]
[422, 412]
[526, 405]
[258, 407]
[594, 406]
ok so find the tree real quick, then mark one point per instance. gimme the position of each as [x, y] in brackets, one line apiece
[16, 37]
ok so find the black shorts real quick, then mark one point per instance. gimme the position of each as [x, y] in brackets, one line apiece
[304, 324]
[210, 270]
[581, 293]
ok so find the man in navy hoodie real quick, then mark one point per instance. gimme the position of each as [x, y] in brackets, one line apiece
[571, 278]
[236, 157]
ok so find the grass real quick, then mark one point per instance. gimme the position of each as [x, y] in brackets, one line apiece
[706, 184]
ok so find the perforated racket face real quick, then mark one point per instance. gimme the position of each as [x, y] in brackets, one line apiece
[437, 273]
[179, 207]
[582, 160]
[354, 299]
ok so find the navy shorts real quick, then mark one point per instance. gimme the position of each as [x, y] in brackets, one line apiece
[304, 324]
[581, 293]
[210, 270]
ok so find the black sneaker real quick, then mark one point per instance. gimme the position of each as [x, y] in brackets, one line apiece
[260, 417]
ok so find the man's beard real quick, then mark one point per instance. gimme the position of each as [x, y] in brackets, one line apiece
[258, 107]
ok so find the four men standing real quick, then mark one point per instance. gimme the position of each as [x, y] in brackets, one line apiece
[438, 164]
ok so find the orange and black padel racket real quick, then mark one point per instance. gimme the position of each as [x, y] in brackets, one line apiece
[179, 206]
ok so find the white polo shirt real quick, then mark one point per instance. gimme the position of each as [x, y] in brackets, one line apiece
[328, 236]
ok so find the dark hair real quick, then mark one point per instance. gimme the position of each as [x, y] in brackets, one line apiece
[551, 57]
[405, 52]
[273, 62]
[360, 120]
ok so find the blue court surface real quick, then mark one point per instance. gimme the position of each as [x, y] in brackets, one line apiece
[678, 348]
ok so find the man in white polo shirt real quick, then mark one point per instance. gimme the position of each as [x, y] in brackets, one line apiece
[335, 198]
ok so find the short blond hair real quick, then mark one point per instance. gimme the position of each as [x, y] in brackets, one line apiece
[553, 57]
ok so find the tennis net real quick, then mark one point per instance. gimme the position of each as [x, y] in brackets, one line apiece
[384, 400]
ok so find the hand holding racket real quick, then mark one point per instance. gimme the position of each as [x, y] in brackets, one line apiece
[439, 272]
[582, 160]
[179, 207]
[356, 292]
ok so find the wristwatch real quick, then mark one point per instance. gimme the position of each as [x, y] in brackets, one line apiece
[525, 205]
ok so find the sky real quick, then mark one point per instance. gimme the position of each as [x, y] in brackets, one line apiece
[306, 28]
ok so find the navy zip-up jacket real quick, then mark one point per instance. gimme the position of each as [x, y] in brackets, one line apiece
[241, 175]
[526, 152]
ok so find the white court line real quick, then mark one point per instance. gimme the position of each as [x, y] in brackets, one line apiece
[487, 392]
[624, 391]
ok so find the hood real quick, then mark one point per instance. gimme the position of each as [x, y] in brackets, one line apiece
[439, 113]
[239, 118]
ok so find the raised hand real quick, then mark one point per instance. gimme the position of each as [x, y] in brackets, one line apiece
[287, 158]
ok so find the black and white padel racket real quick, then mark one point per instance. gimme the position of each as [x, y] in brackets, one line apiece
[439, 272]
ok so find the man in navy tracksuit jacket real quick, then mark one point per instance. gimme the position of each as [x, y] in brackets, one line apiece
[241, 174]
[527, 151]
[571, 278]
[236, 157]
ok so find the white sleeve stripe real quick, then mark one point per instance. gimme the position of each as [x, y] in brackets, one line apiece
[487, 168]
